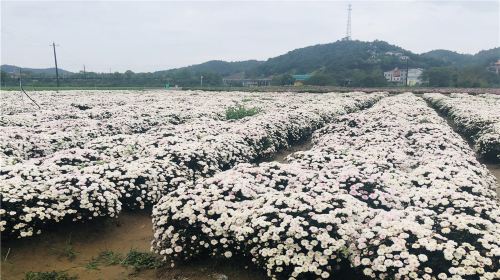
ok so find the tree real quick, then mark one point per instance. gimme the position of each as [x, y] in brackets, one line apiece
[321, 79]
[282, 80]
[439, 76]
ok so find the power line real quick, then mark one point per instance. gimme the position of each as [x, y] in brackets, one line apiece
[22, 89]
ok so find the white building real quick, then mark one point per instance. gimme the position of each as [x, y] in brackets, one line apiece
[397, 75]
[394, 53]
[414, 76]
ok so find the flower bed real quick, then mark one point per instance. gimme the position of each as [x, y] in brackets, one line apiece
[139, 166]
[476, 117]
[391, 190]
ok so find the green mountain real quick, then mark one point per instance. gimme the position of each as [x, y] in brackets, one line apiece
[12, 69]
[359, 63]
[354, 63]
[450, 58]
[220, 67]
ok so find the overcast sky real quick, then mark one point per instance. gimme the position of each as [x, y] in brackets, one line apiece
[148, 36]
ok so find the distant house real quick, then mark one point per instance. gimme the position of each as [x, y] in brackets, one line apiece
[395, 75]
[414, 76]
[394, 53]
[398, 76]
[240, 80]
[300, 79]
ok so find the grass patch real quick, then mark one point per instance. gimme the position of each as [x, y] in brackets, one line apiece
[52, 275]
[67, 251]
[137, 260]
[110, 258]
[93, 264]
[104, 258]
[240, 111]
[142, 260]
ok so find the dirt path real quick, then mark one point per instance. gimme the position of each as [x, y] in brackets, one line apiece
[281, 155]
[495, 170]
[52, 249]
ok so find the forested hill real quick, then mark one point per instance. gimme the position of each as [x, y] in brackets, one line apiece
[12, 69]
[361, 63]
[217, 67]
[357, 62]
[482, 58]
[342, 56]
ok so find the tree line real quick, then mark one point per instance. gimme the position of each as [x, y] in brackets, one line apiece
[447, 76]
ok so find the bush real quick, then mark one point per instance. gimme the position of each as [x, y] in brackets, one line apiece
[52, 275]
[142, 260]
[239, 112]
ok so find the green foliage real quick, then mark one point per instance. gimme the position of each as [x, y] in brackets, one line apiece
[282, 80]
[362, 63]
[92, 264]
[104, 258]
[67, 251]
[109, 258]
[142, 260]
[439, 76]
[52, 275]
[321, 79]
[240, 111]
[468, 77]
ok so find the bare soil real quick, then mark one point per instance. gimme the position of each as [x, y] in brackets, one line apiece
[281, 155]
[495, 170]
[132, 230]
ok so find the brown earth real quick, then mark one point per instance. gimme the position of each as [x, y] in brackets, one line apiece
[132, 230]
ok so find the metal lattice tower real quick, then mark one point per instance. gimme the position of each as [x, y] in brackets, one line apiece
[348, 31]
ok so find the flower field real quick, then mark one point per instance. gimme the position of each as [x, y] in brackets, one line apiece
[391, 189]
[89, 159]
[388, 189]
[476, 117]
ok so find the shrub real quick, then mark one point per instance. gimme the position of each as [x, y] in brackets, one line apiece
[142, 260]
[52, 275]
[239, 112]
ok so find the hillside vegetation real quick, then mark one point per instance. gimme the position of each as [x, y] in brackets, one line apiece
[353, 63]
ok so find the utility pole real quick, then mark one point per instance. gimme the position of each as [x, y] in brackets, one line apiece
[406, 79]
[20, 79]
[201, 81]
[55, 60]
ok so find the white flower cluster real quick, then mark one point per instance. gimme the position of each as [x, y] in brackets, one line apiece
[476, 117]
[133, 166]
[391, 190]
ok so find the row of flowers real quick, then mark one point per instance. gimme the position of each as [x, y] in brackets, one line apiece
[71, 119]
[477, 117]
[135, 170]
[391, 190]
